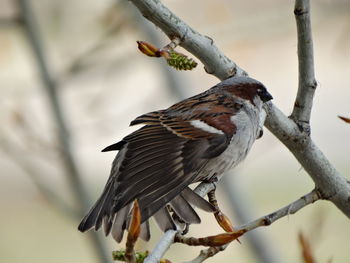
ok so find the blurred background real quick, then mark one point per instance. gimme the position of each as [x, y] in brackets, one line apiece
[72, 79]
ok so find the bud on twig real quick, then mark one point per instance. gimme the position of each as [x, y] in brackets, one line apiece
[180, 61]
[148, 49]
[210, 241]
[120, 256]
[306, 249]
[133, 233]
[347, 120]
[175, 59]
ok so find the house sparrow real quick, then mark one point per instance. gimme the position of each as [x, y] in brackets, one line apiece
[194, 140]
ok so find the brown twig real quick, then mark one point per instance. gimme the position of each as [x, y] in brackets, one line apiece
[306, 249]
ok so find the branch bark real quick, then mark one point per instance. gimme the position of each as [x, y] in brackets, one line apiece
[215, 62]
[307, 82]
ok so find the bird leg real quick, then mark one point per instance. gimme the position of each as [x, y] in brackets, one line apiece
[220, 217]
[217, 240]
[176, 218]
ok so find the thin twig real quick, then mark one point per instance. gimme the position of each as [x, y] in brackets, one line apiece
[162, 246]
[215, 62]
[50, 88]
[267, 220]
[307, 82]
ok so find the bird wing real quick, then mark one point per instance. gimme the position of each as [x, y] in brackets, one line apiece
[158, 161]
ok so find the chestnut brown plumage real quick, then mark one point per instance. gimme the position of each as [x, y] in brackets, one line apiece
[196, 139]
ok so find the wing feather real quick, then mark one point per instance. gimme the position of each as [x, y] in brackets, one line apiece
[158, 161]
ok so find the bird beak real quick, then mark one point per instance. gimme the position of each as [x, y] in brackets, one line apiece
[265, 96]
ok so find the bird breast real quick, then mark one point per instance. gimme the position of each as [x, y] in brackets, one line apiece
[240, 144]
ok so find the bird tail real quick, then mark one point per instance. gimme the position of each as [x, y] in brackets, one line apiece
[96, 214]
[113, 223]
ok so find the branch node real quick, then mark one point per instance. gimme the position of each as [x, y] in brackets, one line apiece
[299, 11]
[266, 221]
[324, 196]
[211, 40]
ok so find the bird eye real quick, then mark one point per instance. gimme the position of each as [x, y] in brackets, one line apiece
[260, 90]
[238, 106]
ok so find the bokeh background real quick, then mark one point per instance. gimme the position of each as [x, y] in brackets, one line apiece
[103, 82]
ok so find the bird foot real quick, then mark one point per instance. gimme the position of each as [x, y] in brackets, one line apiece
[220, 217]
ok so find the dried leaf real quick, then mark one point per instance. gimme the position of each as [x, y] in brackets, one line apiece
[347, 120]
[306, 249]
[135, 224]
[133, 233]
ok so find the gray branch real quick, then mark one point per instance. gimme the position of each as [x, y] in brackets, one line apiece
[307, 83]
[329, 183]
[215, 62]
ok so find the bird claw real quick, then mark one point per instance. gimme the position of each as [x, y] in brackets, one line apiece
[223, 221]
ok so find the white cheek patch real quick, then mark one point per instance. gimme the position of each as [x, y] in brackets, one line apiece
[205, 127]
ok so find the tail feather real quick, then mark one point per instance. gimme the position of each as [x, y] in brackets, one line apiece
[95, 216]
[164, 220]
[107, 225]
[119, 223]
[183, 209]
[197, 200]
[145, 232]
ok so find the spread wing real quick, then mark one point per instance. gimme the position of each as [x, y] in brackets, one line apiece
[156, 163]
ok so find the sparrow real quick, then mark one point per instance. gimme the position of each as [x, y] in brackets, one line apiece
[197, 139]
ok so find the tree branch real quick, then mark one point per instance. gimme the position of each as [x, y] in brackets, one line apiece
[267, 220]
[307, 82]
[203, 47]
